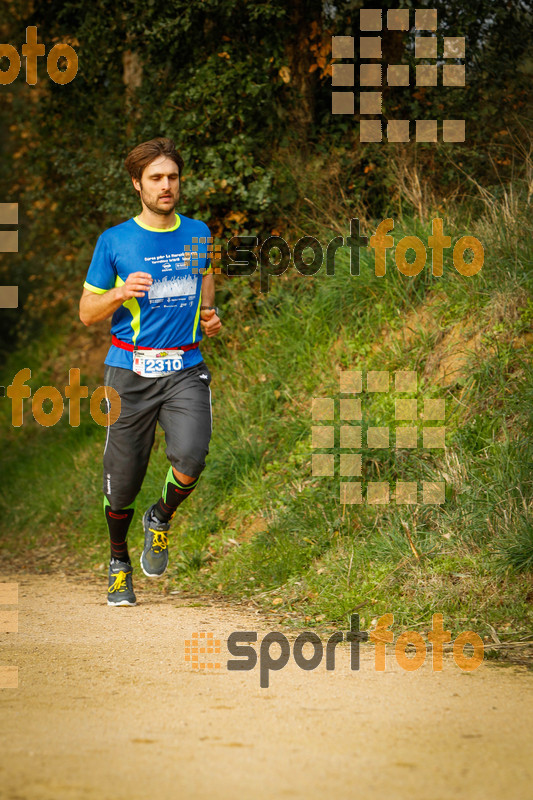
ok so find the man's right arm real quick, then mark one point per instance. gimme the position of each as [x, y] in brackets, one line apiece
[97, 307]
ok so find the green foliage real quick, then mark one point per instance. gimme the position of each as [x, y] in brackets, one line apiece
[517, 550]
[210, 74]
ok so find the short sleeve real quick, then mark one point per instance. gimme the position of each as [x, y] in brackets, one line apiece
[101, 275]
[208, 267]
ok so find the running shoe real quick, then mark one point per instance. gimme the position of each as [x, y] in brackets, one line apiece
[120, 590]
[154, 557]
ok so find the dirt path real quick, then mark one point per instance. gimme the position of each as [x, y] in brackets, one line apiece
[108, 708]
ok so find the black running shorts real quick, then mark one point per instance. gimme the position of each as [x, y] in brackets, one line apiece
[180, 402]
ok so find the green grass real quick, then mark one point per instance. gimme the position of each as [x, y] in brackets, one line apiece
[260, 525]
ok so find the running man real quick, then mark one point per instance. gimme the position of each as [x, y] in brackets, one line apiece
[152, 275]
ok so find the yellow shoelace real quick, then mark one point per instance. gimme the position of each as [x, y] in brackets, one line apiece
[160, 540]
[120, 582]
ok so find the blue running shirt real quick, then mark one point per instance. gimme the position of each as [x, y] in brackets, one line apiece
[169, 313]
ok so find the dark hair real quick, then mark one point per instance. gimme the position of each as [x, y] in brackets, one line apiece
[145, 153]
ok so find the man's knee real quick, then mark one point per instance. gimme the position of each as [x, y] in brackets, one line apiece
[120, 496]
[119, 500]
[182, 477]
[187, 466]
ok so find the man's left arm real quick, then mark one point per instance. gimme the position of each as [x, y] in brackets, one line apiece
[209, 320]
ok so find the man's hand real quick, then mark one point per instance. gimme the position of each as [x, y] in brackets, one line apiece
[136, 285]
[209, 321]
[95, 307]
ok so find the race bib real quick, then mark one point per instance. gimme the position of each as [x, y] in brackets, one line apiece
[155, 363]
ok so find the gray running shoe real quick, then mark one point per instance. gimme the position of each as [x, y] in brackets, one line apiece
[120, 590]
[154, 557]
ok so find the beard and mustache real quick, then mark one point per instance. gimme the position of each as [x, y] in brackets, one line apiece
[156, 209]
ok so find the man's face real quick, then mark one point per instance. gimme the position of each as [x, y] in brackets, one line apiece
[159, 186]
